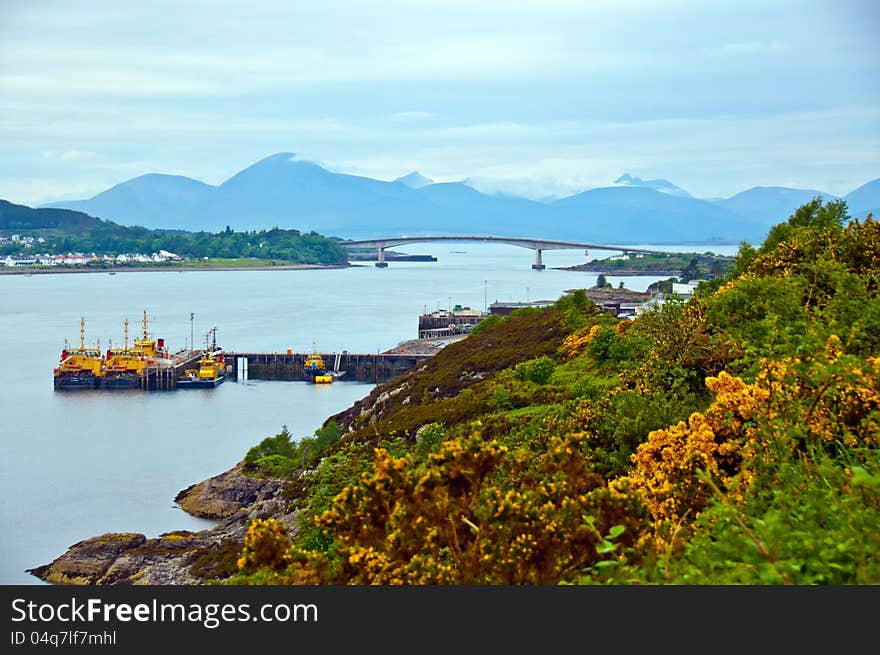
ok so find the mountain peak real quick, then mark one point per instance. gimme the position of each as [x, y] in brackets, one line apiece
[866, 197]
[661, 185]
[415, 180]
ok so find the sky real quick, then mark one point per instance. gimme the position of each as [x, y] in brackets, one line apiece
[541, 98]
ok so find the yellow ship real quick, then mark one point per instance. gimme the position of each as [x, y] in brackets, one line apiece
[211, 371]
[315, 370]
[125, 367]
[79, 368]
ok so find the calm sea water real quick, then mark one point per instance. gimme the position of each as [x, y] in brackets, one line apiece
[78, 464]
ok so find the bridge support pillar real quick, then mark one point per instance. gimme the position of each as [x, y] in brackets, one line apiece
[381, 263]
[539, 264]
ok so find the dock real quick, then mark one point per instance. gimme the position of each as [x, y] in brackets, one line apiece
[164, 378]
[358, 367]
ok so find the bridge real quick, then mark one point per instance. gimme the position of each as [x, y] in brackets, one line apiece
[538, 245]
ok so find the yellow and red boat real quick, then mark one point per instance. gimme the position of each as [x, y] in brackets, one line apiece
[79, 368]
[315, 370]
[125, 368]
[211, 370]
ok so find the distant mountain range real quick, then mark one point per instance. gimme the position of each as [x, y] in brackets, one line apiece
[663, 186]
[286, 191]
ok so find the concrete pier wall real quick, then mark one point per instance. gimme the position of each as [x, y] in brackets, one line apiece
[375, 368]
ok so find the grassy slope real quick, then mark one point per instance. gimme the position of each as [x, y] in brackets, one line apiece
[733, 438]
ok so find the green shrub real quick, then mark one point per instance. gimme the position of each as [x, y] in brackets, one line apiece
[428, 435]
[280, 444]
[538, 370]
[277, 465]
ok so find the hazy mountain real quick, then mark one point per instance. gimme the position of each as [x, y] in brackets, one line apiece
[21, 217]
[456, 208]
[663, 186]
[864, 199]
[862, 213]
[414, 180]
[153, 200]
[771, 204]
[626, 213]
[285, 191]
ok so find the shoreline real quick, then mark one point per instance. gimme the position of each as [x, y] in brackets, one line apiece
[185, 557]
[169, 269]
[180, 557]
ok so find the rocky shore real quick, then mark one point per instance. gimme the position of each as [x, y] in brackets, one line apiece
[596, 267]
[181, 557]
[185, 557]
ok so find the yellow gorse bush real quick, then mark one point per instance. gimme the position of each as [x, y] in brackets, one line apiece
[266, 544]
[791, 405]
[574, 344]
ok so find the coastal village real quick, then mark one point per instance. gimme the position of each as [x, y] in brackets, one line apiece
[79, 259]
[444, 326]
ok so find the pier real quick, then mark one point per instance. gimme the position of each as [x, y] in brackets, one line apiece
[164, 378]
[358, 367]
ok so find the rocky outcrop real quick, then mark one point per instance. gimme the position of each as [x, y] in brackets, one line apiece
[181, 557]
[226, 494]
[87, 561]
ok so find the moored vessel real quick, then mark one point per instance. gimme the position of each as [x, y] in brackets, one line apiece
[126, 368]
[123, 367]
[315, 370]
[79, 368]
[211, 370]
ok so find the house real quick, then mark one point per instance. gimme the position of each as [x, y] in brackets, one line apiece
[685, 290]
[18, 260]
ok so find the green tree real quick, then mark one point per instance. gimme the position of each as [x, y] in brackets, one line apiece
[691, 271]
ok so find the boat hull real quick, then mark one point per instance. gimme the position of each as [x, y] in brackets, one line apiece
[121, 382]
[200, 383]
[322, 377]
[74, 382]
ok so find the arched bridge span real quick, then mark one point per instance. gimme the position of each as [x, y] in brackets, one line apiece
[538, 245]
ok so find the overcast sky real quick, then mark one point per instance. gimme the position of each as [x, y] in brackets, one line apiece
[539, 97]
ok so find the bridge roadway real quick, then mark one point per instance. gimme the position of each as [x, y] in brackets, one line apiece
[538, 245]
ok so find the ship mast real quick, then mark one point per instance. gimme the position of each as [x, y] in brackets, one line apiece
[146, 336]
[126, 334]
[82, 333]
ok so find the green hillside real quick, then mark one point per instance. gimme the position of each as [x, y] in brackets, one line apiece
[732, 438]
[21, 218]
[65, 231]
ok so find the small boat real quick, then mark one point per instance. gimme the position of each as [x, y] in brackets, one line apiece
[211, 370]
[315, 370]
